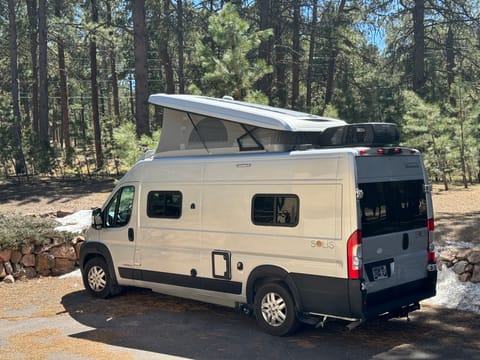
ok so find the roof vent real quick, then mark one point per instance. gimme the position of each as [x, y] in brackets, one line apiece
[227, 97]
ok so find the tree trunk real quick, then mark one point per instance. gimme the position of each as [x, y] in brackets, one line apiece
[141, 85]
[311, 54]
[419, 46]
[20, 167]
[164, 51]
[94, 89]
[33, 28]
[332, 62]
[180, 36]
[280, 68]
[296, 54]
[113, 71]
[43, 75]
[450, 58]
[65, 127]
[265, 48]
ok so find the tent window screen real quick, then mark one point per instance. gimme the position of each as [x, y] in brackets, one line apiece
[275, 210]
[209, 130]
[164, 204]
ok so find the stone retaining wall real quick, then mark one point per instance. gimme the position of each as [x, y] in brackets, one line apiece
[464, 262]
[30, 261]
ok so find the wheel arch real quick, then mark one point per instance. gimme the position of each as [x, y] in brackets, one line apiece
[271, 273]
[92, 249]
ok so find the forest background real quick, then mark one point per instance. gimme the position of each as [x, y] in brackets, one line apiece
[77, 74]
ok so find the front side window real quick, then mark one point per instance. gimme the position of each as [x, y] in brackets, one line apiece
[164, 204]
[275, 210]
[392, 207]
[119, 209]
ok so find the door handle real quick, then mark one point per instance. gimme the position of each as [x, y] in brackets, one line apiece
[405, 241]
[130, 234]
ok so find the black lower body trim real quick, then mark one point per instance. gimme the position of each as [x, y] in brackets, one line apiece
[395, 298]
[194, 282]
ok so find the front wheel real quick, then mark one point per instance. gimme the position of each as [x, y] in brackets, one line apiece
[275, 310]
[97, 279]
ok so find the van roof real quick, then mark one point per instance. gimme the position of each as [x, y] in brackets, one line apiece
[246, 113]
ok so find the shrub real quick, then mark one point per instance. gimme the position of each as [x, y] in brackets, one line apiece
[16, 230]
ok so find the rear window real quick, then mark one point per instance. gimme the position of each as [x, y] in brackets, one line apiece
[388, 207]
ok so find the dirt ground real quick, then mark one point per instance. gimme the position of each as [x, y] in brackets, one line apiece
[457, 211]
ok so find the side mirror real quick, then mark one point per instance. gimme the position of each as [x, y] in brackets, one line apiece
[97, 218]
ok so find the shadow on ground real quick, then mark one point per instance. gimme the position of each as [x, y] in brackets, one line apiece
[457, 227]
[142, 320]
[53, 190]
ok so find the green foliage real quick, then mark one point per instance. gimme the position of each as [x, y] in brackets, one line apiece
[16, 230]
[225, 56]
[427, 129]
[128, 149]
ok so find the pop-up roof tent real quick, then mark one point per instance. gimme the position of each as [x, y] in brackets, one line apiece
[198, 125]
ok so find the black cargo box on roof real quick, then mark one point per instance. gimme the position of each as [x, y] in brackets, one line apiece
[362, 134]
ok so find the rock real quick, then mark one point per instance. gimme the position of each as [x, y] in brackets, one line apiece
[64, 251]
[474, 257]
[8, 268]
[61, 214]
[3, 273]
[77, 249]
[27, 249]
[40, 249]
[16, 256]
[462, 254]
[9, 279]
[28, 260]
[30, 273]
[447, 256]
[465, 277]
[459, 267]
[18, 270]
[469, 268]
[78, 239]
[5, 255]
[476, 274]
[44, 263]
[63, 266]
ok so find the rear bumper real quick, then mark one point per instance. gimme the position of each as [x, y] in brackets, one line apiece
[345, 298]
[399, 299]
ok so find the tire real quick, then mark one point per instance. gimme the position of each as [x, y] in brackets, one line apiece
[275, 310]
[97, 279]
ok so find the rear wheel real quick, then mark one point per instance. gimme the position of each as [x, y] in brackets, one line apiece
[275, 309]
[97, 279]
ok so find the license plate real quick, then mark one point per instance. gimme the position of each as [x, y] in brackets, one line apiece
[379, 272]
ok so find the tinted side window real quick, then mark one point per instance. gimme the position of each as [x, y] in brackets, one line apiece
[392, 206]
[119, 209]
[164, 204]
[275, 210]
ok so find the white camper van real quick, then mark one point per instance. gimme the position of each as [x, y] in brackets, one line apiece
[288, 216]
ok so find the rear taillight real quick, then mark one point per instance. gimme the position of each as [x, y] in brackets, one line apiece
[354, 255]
[430, 246]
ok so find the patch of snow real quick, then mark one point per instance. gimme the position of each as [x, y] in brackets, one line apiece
[454, 294]
[75, 273]
[76, 222]
[456, 244]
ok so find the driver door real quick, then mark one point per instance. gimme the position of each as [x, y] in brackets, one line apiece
[120, 226]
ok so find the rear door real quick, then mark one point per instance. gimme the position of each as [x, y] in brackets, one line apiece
[394, 212]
